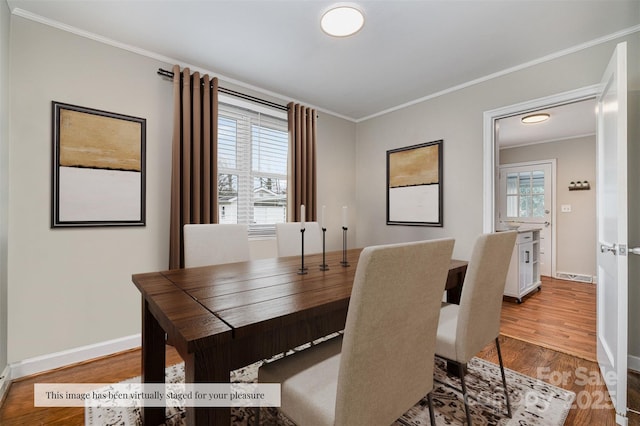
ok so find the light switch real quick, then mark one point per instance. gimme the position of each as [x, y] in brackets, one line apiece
[565, 208]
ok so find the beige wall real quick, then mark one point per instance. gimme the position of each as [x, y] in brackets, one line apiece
[458, 119]
[72, 287]
[69, 288]
[575, 231]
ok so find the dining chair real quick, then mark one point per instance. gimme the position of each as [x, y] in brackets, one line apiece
[289, 239]
[376, 371]
[465, 329]
[213, 244]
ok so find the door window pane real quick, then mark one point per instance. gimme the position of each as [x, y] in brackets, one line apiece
[537, 182]
[525, 194]
[512, 184]
[537, 205]
[525, 183]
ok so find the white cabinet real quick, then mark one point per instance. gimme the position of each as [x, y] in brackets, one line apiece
[524, 270]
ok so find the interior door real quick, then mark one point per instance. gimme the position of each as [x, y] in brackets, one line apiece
[526, 197]
[612, 286]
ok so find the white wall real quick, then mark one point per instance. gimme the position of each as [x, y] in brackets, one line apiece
[72, 287]
[4, 174]
[575, 231]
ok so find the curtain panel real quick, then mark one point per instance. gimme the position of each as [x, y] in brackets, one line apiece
[302, 162]
[194, 176]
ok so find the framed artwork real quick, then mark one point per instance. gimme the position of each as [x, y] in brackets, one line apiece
[414, 185]
[98, 173]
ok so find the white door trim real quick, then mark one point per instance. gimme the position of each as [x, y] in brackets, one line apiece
[490, 153]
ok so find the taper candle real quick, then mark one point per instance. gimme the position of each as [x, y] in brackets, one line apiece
[302, 216]
[322, 225]
[344, 217]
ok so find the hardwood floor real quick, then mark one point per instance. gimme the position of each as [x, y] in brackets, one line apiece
[562, 317]
[557, 328]
[17, 408]
[591, 406]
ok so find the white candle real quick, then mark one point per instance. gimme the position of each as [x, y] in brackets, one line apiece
[322, 217]
[344, 217]
[302, 216]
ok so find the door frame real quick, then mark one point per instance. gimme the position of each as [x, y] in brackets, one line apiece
[491, 154]
[552, 163]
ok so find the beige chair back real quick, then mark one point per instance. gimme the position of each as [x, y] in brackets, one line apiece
[481, 298]
[388, 347]
[289, 240]
[213, 244]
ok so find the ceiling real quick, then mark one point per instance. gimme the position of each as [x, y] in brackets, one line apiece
[406, 52]
[566, 121]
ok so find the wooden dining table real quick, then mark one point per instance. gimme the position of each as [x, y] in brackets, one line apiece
[223, 317]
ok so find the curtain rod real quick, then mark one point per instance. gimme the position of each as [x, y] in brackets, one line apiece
[230, 92]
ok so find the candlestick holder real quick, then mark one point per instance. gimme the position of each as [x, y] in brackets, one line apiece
[324, 266]
[344, 247]
[303, 269]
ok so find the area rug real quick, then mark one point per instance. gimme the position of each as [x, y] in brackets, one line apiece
[533, 402]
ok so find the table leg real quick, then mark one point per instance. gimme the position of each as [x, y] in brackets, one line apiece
[454, 293]
[208, 365]
[153, 362]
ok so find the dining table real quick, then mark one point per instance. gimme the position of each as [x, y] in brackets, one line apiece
[223, 317]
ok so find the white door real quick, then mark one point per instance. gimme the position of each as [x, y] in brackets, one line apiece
[526, 196]
[611, 192]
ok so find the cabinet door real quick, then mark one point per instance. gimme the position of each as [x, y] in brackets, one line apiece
[525, 255]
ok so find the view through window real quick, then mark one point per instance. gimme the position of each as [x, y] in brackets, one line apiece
[525, 194]
[253, 150]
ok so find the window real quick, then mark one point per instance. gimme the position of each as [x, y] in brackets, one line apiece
[253, 145]
[525, 194]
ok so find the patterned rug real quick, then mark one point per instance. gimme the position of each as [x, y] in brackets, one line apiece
[533, 402]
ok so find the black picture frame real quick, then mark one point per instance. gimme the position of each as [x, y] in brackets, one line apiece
[98, 168]
[414, 185]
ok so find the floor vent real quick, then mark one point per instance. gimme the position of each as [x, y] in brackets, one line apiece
[574, 277]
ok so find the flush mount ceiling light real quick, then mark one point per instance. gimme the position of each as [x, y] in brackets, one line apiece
[535, 118]
[342, 21]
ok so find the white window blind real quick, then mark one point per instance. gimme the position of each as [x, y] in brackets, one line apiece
[253, 147]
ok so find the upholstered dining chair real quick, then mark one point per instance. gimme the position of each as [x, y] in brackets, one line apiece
[288, 238]
[465, 329]
[213, 244]
[376, 371]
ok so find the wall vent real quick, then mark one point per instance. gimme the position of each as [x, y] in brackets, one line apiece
[574, 277]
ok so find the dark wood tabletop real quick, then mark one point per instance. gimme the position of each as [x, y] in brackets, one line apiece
[223, 317]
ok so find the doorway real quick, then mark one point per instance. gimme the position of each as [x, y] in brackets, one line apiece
[568, 217]
[526, 197]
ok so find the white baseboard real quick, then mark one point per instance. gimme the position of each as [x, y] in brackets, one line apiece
[571, 276]
[633, 363]
[48, 362]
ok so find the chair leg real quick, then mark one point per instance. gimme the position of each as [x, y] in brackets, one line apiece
[464, 394]
[432, 416]
[504, 380]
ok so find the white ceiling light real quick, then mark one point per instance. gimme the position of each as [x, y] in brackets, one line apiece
[342, 21]
[535, 118]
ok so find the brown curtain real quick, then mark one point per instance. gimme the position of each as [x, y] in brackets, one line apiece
[302, 162]
[194, 177]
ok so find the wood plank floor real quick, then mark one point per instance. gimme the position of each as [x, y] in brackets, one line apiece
[549, 361]
[562, 317]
